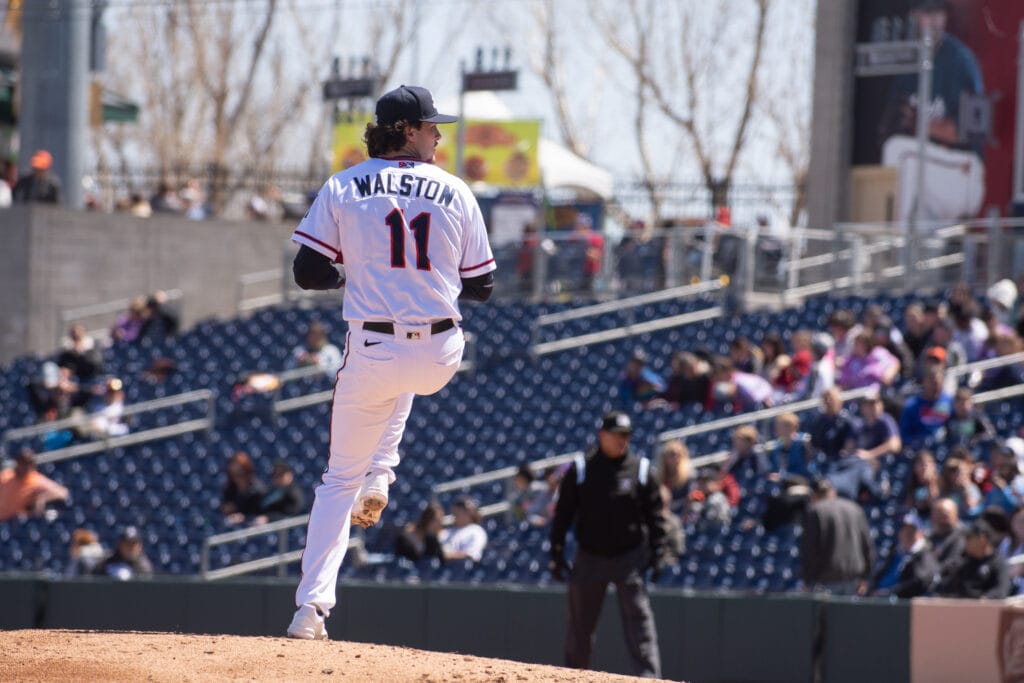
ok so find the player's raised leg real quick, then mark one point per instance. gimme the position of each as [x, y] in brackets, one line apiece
[373, 496]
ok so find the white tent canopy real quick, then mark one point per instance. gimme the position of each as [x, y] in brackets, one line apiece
[559, 167]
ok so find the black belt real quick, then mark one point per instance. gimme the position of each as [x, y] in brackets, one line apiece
[389, 328]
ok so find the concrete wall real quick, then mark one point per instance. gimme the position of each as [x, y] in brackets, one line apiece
[832, 112]
[54, 259]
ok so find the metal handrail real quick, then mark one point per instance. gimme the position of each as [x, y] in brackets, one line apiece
[197, 425]
[70, 314]
[502, 473]
[986, 364]
[626, 331]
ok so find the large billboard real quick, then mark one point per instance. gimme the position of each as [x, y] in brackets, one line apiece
[969, 158]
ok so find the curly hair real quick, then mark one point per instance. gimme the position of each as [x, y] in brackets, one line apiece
[387, 138]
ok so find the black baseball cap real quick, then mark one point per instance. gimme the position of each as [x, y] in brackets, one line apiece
[617, 422]
[409, 103]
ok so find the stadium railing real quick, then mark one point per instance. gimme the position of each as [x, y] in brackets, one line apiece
[106, 312]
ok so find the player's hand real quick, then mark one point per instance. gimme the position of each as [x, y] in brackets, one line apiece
[559, 567]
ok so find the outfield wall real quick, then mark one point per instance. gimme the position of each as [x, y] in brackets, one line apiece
[703, 638]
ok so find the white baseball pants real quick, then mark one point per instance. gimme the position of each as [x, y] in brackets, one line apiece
[372, 398]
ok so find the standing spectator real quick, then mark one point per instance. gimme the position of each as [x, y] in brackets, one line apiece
[318, 351]
[689, 382]
[465, 539]
[980, 572]
[639, 383]
[836, 551]
[80, 354]
[243, 492]
[613, 500]
[128, 326]
[925, 415]
[947, 535]
[285, 498]
[922, 484]
[911, 571]
[26, 491]
[591, 242]
[85, 553]
[789, 456]
[967, 426]
[420, 540]
[128, 561]
[40, 185]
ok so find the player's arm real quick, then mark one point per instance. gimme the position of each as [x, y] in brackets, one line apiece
[313, 270]
[477, 288]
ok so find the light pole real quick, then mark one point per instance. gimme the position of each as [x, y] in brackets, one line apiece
[495, 76]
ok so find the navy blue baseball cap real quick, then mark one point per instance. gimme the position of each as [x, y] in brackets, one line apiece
[409, 103]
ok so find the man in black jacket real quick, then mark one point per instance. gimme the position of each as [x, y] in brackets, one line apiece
[836, 553]
[981, 572]
[613, 498]
[912, 571]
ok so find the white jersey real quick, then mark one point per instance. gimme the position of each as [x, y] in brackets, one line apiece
[406, 231]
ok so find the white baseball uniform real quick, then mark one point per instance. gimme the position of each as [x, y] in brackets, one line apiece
[407, 232]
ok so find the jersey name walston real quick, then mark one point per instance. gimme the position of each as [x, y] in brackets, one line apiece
[405, 185]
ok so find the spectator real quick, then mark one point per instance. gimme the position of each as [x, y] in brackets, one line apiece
[832, 429]
[708, 501]
[874, 436]
[947, 535]
[318, 351]
[159, 321]
[80, 354]
[736, 391]
[591, 243]
[942, 350]
[980, 572]
[243, 492]
[996, 328]
[419, 540]
[24, 491]
[285, 498]
[639, 383]
[745, 357]
[1005, 375]
[923, 484]
[689, 382]
[836, 551]
[55, 388]
[1015, 549]
[968, 330]
[925, 415]
[745, 461]
[128, 326]
[790, 454]
[529, 497]
[1007, 476]
[127, 561]
[674, 473]
[916, 332]
[616, 506]
[822, 375]
[870, 364]
[775, 358]
[105, 418]
[5, 186]
[85, 553]
[955, 484]
[526, 258]
[465, 539]
[165, 200]
[1002, 296]
[40, 185]
[967, 426]
[844, 329]
[138, 206]
[911, 571]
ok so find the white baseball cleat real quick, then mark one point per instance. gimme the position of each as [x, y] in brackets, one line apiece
[372, 500]
[308, 624]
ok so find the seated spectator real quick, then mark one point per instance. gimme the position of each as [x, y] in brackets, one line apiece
[24, 491]
[544, 505]
[740, 391]
[318, 351]
[968, 329]
[159, 320]
[822, 374]
[55, 439]
[955, 484]
[80, 354]
[138, 206]
[915, 331]
[165, 200]
[947, 533]
[844, 329]
[775, 357]
[886, 335]
[419, 540]
[284, 498]
[996, 328]
[831, 430]
[923, 484]
[128, 326]
[852, 471]
[127, 561]
[689, 382]
[708, 501]
[243, 492]
[105, 416]
[925, 415]
[639, 383]
[85, 553]
[745, 356]
[870, 364]
[1002, 297]
[745, 460]
[465, 538]
[967, 426]
[673, 468]
[1007, 477]
[911, 571]
[789, 456]
[1004, 375]
[55, 388]
[980, 572]
[528, 494]
[943, 353]
[1014, 548]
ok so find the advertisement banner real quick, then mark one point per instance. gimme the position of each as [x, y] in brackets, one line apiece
[968, 161]
[498, 153]
[349, 148]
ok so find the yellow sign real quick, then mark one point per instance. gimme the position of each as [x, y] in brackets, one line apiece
[499, 153]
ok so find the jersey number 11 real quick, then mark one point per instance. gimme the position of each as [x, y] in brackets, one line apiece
[420, 226]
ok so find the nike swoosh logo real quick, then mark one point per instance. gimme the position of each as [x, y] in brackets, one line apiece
[367, 342]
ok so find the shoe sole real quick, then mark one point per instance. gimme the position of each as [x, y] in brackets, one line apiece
[322, 636]
[369, 513]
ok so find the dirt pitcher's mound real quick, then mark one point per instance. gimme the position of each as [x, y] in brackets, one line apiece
[102, 656]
